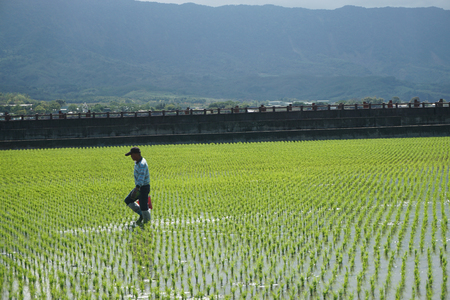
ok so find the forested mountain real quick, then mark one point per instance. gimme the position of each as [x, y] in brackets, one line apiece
[63, 47]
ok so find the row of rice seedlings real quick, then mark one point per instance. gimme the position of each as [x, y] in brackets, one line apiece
[275, 226]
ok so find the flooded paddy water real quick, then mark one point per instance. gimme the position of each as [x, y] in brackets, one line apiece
[230, 221]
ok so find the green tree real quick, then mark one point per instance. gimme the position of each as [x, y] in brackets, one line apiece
[21, 111]
[39, 109]
[4, 108]
[160, 106]
[72, 108]
[223, 104]
[18, 110]
[97, 108]
[19, 99]
[373, 100]
[61, 102]
[53, 106]
[170, 107]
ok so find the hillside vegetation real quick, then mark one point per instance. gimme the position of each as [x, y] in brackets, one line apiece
[62, 49]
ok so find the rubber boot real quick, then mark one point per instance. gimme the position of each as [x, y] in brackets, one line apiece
[146, 215]
[137, 210]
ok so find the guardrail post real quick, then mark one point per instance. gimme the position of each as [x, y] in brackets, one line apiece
[218, 111]
[423, 104]
[176, 112]
[149, 113]
[51, 116]
[301, 107]
[246, 110]
[329, 107]
[204, 111]
[356, 106]
[107, 114]
[37, 117]
[273, 108]
[163, 112]
[121, 114]
[93, 115]
[384, 105]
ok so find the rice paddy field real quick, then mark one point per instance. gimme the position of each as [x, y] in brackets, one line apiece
[338, 219]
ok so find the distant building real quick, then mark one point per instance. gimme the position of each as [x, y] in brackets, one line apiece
[22, 105]
[279, 103]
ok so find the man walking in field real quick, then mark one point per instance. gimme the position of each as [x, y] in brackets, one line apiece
[142, 187]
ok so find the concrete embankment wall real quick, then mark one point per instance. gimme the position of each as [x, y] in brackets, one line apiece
[216, 128]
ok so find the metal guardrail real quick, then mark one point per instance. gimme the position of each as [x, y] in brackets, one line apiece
[218, 111]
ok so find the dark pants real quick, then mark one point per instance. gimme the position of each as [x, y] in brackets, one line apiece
[141, 195]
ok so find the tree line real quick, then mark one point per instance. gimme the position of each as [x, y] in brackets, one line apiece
[22, 104]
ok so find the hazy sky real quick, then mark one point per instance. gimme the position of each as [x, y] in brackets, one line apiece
[320, 4]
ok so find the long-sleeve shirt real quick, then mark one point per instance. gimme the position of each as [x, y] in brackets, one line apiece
[141, 174]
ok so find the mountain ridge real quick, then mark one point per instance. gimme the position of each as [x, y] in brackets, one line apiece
[130, 43]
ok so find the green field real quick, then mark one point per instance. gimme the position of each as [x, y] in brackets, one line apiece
[347, 219]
